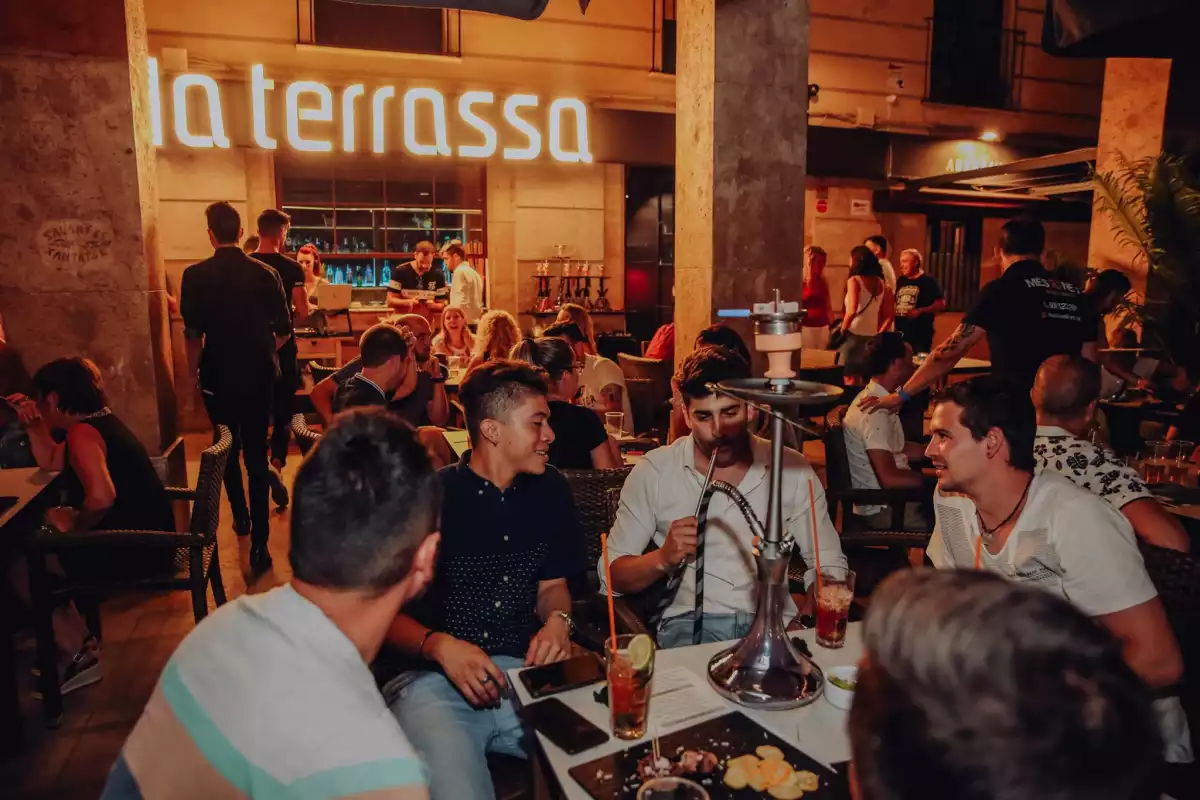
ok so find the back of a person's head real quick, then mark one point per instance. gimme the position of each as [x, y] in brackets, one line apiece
[364, 500]
[977, 688]
[1111, 281]
[991, 402]
[581, 317]
[224, 221]
[883, 351]
[863, 262]
[708, 364]
[454, 250]
[723, 336]
[250, 243]
[549, 353]
[493, 389]
[498, 332]
[272, 221]
[1022, 236]
[380, 342]
[879, 241]
[75, 381]
[566, 330]
[1066, 386]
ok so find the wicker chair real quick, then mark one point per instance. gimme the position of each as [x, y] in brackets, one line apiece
[306, 438]
[196, 559]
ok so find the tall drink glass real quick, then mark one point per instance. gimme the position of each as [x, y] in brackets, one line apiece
[1181, 461]
[835, 592]
[630, 668]
[1155, 465]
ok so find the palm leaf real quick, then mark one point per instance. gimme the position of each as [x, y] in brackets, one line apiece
[1125, 211]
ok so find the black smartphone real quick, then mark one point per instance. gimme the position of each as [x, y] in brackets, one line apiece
[566, 728]
[560, 676]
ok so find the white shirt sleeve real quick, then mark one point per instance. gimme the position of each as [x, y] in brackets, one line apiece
[1102, 569]
[800, 526]
[952, 543]
[636, 522]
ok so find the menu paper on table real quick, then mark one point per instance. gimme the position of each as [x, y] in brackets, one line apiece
[680, 696]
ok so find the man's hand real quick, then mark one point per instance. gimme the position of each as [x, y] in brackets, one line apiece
[682, 538]
[409, 384]
[25, 407]
[433, 367]
[552, 643]
[62, 518]
[470, 670]
[872, 403]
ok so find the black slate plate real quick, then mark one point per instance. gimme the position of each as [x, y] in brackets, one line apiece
[614, 777]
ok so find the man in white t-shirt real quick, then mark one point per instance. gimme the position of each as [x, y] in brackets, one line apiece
[875, 447]
[992, 513]
[879, 246]
[272, 695]
[1065, 394]
[601, 382]
[466, 285]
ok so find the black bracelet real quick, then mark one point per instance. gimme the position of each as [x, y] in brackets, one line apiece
[424, 640]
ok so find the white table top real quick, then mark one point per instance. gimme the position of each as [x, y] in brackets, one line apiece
[23, 484]
[817, 729]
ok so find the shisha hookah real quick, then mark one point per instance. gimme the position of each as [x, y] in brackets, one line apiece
[765, 670]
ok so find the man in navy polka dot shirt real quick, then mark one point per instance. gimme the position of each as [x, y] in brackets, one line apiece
[510, 541]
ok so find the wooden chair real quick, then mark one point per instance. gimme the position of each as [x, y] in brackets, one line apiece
[652, 377]
[196, 558]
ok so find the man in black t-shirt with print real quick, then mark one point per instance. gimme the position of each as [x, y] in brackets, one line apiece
[420, 274]
[1026, 316]
[272, 231]
[918, 299]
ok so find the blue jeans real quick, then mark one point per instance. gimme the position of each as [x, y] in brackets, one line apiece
[453, 738]
[677, 631]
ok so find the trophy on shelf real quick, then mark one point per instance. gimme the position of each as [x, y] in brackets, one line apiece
[542, 273]
[601, 303]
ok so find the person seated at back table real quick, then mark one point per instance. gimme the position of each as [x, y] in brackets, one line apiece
[498, 333]
[875, 446]
[1065, 394]
[580, 441]
[602, 381]
[974, 688]
[385, 368]
[994, 513]
[271, 696]
[511, 540]
[110, 484]
[659, 500]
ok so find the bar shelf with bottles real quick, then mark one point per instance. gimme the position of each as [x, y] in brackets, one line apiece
[576, 280]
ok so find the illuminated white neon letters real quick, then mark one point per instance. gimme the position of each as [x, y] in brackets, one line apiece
[216, 122]
[426, 129]
[322, 113]
[441, 146]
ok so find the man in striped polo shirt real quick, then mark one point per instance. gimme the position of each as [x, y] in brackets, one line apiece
[271, 696]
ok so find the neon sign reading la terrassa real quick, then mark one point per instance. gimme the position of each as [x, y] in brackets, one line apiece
[309, 102]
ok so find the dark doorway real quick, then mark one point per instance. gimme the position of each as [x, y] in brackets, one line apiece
[649, 249]
[955, 253]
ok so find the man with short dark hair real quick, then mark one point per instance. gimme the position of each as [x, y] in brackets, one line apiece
[272, 233]
[466, 285]
[272, 695]
[993, 513]
[234, 307]
[879, 246]
[1025, 315]
[510, 542]
[385, 368]
[660, 497]
[420, 274]
[972, 687]
[1065, 395]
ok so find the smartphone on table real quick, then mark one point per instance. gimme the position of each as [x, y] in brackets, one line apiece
[564, 726]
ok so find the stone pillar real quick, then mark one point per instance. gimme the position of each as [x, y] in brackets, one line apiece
[741, 144]
[82, 271]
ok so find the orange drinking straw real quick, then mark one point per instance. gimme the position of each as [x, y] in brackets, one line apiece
[812, 504]
[612, 616]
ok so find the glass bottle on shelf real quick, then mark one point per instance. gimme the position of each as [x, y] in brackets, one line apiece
[369, 274]
[385, 274]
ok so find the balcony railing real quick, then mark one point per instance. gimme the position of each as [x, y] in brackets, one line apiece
[973, 65]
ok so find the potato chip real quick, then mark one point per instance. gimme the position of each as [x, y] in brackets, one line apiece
[776, 772]
[743, 761]
[787, 791]
[808, 781]
[756, 779]
[769, 752]
[735, 777]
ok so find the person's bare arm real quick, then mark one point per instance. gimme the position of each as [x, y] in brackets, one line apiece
[470, 670]
[890, 476]
[1153, 524]
[851, 309]
[322, 397]
[1149, 646]
[438, 407]
[939, 364]
[398, 303]
[634, 573]
[1111, 363]
[603, 457]
[553, 642]
[300, 302]
[90, 463]
[887, 310]
[48, 453]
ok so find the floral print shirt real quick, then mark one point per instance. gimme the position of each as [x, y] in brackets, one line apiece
[1088, 466]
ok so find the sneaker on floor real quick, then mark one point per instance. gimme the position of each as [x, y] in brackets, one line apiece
[84, 670]
[279, 492]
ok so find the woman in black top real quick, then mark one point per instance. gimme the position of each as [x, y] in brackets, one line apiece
[110, 484]
[580, 441]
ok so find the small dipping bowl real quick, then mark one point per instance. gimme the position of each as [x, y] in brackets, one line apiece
[839, 697]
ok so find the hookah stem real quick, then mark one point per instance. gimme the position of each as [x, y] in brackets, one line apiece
[701, 507]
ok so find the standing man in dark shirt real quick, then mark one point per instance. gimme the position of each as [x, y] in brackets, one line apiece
[272, 232]
[1026, 316]
[235, 308]
[918, 299]
[510, 540]
[419, 274]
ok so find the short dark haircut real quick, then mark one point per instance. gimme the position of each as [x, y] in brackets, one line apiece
[1023, 236]
[491, 390]
[549, 353]
[977, 688]
[271, 221]
[454, 249]
[1066, 385]
[566, 330]
[364, 500]
[224, 221]
[991, 402]
[425, 247]
[1109, 281]
[75, 381]
[708, 364]
[864, 262]
[883, 350]
[723, 336]
[880, 242]
[250, 243]
[380, 342]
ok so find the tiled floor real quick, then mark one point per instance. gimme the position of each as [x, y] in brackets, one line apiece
[140, 633]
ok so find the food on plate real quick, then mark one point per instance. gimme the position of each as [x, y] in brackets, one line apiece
[735, 777]
[768, 771]
[769, 752]
[688, 762]
[651, 766]
[843, 683]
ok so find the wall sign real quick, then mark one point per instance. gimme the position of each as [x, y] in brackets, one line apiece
[476, 124]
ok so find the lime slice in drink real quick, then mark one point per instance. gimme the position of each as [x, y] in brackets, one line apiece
[641, 650]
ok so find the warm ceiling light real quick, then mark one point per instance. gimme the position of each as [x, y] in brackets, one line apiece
[989, 136]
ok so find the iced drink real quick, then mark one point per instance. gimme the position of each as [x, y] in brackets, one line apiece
[630, 668]
[834, 595]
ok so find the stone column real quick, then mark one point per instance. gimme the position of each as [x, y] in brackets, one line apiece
[741, 143]
[82, 272]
